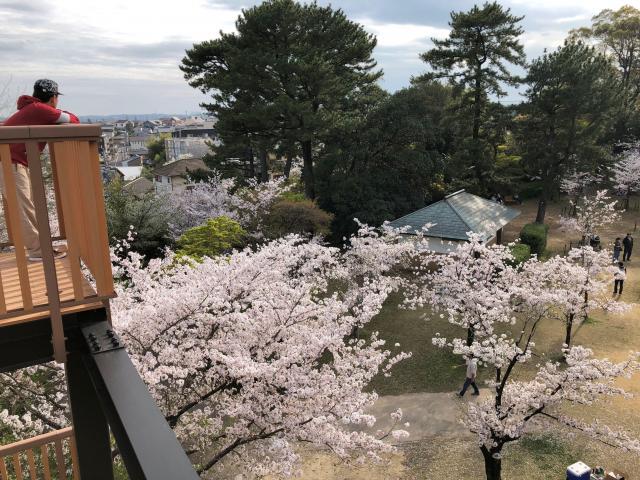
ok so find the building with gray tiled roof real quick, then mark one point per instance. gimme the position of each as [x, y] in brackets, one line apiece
[456, 215]
[172, 176]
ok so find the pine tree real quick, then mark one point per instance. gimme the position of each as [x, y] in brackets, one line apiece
[474, 59]
[285, 76]
[571, 98]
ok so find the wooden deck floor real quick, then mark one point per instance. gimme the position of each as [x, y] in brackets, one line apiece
[13, 294]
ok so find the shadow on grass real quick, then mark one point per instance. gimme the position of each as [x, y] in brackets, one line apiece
[548, 452]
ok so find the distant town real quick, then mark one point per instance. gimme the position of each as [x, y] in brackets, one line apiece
[125, 150]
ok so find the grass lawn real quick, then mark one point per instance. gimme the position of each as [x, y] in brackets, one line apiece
[429, 369]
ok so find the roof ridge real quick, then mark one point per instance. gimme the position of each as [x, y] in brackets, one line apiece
[419, 210]
[458, 214]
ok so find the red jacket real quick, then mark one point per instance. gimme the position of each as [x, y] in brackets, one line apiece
[32, 111]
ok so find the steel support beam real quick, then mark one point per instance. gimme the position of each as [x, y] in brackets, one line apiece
[89, 423]
[29, 343]
[146, 443]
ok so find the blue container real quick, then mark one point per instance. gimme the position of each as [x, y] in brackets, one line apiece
[578, 471]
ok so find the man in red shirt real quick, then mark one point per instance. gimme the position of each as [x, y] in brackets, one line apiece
[39, 109]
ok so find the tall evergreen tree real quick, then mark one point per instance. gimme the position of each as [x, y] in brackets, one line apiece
[285, 75]
[474, 59]
[617, 34]
[571, 97]
[391, 163]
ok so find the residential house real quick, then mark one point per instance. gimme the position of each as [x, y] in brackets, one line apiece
[140, 186]
[139, 142]
[132, 161]
[127, 174]
[172, 176]
[176, 148]
[203, 131]
[122, 124]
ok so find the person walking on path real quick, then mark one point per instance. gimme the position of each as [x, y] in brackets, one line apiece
[38, 109]
[627, 243]
[619, 277]
[617, 248]
[472, 371]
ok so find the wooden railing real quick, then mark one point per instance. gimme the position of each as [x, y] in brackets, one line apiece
[53, 285]
[41, 457]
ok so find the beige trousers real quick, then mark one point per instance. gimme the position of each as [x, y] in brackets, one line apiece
[27, 211]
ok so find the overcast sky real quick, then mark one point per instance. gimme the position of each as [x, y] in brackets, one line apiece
[122, 56]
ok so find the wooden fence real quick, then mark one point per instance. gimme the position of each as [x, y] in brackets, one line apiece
[41, 458]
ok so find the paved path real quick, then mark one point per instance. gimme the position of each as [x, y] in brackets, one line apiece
[428, 414]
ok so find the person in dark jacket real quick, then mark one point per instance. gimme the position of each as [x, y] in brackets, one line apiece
[617, 248]
[41, 108]
[627, 243]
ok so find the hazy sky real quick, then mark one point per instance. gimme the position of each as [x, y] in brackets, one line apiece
[122, 56]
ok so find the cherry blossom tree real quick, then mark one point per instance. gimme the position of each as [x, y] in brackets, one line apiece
[524, 298]
[575, 185]
[626, 172]
[581, 281]
[470, 286]
[223, 197]
[249, 353]
[576, 182]
[591, 214]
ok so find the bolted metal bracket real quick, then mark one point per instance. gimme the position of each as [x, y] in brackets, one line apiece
[101, 338]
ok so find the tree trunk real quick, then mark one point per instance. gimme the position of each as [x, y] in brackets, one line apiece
[264, 166]
[627, 199]
[307, 170]
[477, 108]
[478, 152]
[567, 338]
[470, 336]
[492, 465]
[542, 211]
[287, 166]
[252, 168]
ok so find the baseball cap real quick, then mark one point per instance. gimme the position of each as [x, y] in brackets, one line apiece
[45, 86]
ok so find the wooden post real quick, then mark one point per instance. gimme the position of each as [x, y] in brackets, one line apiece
[12, 216]
[48, 261]
[499, 237]
[56, 189]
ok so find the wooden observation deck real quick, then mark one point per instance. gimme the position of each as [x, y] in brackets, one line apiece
[57, 309]
[73, 194]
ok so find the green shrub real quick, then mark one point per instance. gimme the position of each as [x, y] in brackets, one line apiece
[147, 215]
[217, 236]
[293, 196]
[303, 217]
[535, 235]
[521, 253]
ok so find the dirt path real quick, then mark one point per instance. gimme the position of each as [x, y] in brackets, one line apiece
[428, 414]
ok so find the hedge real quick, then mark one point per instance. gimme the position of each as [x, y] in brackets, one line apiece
[535, 235]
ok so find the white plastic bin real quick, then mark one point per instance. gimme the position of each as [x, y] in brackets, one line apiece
[578, 471]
